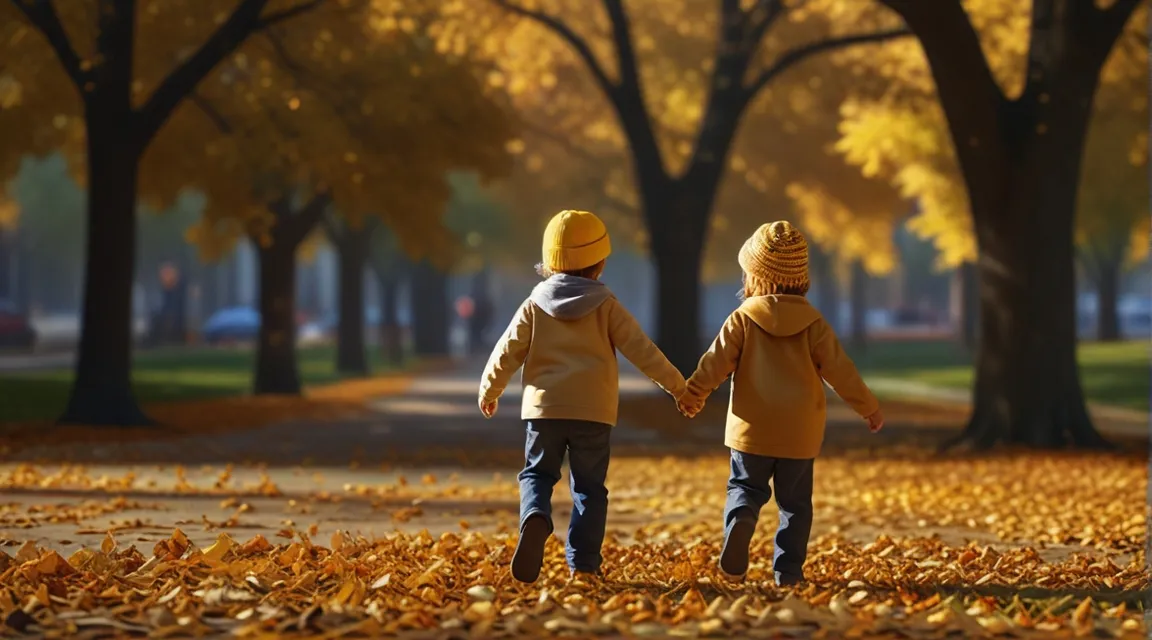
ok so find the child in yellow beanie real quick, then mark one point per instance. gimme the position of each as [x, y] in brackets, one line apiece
[566, 335]
[778, 349]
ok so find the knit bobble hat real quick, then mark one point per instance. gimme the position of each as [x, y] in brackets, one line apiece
[776, 253]
[575, 240]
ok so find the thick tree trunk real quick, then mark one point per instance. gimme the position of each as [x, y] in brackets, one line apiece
[430, 310]
[351, 353]
[276, 369]
[1107, 298]
[858, 301]
[390, 332]
[102, 388]
[1028, 389]
[677, 247]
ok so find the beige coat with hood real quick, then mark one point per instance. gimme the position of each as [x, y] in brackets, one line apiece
[566, 335]
[779, 350]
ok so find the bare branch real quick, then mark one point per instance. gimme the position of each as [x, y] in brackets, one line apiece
[43, 16]
[759, 19]
[208, 109]
[622, 41]
[799, 54]
[560, 28]
[183, 80]
[277, 17]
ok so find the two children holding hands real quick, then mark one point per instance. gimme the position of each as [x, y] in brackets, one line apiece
[776, 347]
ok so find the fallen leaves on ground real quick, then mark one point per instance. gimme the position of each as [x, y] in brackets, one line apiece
[904, 545]
[427, 586]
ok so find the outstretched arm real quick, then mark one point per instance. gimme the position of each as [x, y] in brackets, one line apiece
[629, 338]
[508, 355]
[838, 369]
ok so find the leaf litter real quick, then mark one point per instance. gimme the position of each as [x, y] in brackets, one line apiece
[1044, 545]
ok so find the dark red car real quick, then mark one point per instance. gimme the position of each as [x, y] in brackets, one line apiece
[15, 329]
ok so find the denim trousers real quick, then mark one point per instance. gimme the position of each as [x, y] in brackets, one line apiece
[748, 492]
[588, 447]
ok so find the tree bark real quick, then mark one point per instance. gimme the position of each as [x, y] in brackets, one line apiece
[1107, 298]
[1020, 158]
[352, 245]
[102, 391]
[276, 370]
[430, 310]
[390, 331]
[858, 301]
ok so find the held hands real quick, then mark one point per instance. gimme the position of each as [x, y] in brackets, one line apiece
[488, 407]
[875, 421]
[689, 406]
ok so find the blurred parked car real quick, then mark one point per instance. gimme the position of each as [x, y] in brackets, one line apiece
[234, 324]
[15, 328]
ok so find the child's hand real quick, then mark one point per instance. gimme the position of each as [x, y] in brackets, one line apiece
[488, 407]
[875, 421]
[689, 407]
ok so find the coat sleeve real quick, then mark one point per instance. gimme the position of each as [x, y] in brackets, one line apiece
[635, 345]
[838, 370]
[720, 360]
[508, 355]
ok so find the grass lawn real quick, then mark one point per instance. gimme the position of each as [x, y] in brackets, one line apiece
[1116, 374]
[165, 376]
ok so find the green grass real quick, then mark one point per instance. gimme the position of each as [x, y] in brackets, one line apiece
[1116, 374]
[164, 376]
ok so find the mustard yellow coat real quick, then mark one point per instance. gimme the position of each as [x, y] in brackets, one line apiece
[779, 351]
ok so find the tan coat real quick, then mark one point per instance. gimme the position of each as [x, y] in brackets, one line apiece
[570, 369]
[777, 349]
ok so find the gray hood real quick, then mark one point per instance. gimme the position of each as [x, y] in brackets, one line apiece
[566, 297]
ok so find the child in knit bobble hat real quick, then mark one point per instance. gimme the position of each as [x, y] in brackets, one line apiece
[778, 350]
[566, 335]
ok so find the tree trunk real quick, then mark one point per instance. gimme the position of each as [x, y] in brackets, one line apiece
[276, 369]
[351, 354]
[430, 310]
[677, 247]
[1028, 389]
[1107, 297]
[390, 341]
[858, 294]
[969, 305]
[102, 388]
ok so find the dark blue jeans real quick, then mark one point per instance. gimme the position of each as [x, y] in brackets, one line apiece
[587, 446]
[748, 492]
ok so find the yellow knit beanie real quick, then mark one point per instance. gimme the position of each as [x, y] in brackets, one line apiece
[575, 240]
[777, 253]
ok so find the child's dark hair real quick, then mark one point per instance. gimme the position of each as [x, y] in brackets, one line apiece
[754, 286]
[593, 272]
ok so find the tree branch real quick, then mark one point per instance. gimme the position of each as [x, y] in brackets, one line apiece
[43, 16]
[799, 54]
[277, 17]
[560, 28]
[622, 41]
[183, 80]
[768, 11]
[208, 109]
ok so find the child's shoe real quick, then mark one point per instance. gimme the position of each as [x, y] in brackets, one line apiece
[529, 556]
[788, 580]
[734, 555]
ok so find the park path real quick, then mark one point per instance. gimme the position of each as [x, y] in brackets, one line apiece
[423, 460]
